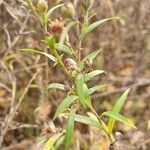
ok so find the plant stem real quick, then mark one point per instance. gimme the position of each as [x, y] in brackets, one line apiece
[33, 10]
[109, 135]
[61, 63]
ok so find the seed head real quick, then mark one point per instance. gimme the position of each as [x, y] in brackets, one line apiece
[56, 26]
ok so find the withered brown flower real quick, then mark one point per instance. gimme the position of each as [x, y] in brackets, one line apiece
[56, 26]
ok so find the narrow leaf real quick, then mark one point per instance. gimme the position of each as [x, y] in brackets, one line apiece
[91, 56]
[79, 87]
[51, 10]
[69, 129]
[96, 88]
[39, 52]
[119, 117]
[63, 48]
[65, 104]
[88, 121]
[92, 74]
[120, 102]
[94, 25]
[87, 95]
[83, 91]
[56, 86]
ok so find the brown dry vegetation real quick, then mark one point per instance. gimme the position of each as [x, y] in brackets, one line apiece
[24, 77]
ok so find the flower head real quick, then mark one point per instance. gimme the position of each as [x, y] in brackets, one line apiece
[56, 26]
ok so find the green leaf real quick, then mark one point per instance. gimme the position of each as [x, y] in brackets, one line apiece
[50, 41]
[63, 48]
[50, 143]
[79, 87]
[94, 25]
[82, 91]
[56, 86]
[119, 117]
[120, 102]
[69, 129]
[65, 104]
[90, 56]
[39, 52]
[92, 74]
[88, 121]
[87, 95]
[51, 10]
[96, 88]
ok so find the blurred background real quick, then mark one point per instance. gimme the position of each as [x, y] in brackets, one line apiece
[125, 58]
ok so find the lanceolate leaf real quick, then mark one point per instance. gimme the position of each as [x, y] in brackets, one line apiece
[65, 104]
[82, 91]
[39, 52]
[120, 102]
[69, 129]
[88, 121]
[92, 74]
[96, 88]
[79, 87]
[63, 48]
[87, 95]
[56, 86]
[119, 117]
[94, 25]
[90, 56]
[51, 10]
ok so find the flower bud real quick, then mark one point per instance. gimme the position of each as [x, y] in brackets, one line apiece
[70, 64]
[69, 10]
[42, 6]
[56, 26]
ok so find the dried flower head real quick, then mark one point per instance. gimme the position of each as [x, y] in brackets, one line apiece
[56, 26]
[70, 64]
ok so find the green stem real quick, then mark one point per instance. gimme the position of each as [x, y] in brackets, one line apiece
[109, 135]
[33, 10]
[61, 63]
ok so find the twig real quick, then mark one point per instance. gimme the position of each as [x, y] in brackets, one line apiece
[5, 87]
[141, 82]
[11, 115]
